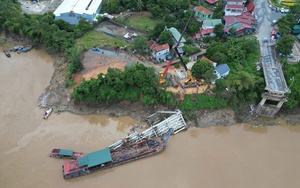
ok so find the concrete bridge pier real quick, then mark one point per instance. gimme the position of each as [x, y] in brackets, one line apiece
[270, 104]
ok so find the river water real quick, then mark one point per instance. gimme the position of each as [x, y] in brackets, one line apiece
[227, 157]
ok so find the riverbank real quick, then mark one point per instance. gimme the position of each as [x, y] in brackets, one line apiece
[60, 98]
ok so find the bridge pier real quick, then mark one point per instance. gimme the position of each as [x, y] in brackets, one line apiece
[270, 104]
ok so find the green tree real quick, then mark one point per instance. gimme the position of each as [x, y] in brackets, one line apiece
[285, 24]
[285, 44]
[200, 68]
[166, 37]
[140, 5]
[209, 76]
[183, 4]
[140, 43]
[114, 6]
[219, 31]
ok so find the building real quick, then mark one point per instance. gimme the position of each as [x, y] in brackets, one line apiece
[234, 10]
[72, 11]
[236, 2]
[222, 71]
[212, 2]
[202, 13]
[207, 28]
[159, 52]
[176, 37]
[242, 24]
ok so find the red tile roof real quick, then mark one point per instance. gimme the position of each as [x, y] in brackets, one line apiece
[203, 9]
[206, 31]
[250, 6]
[246, 20]
[212, 1]
[235, 6]
[205, 58]
[157, 47]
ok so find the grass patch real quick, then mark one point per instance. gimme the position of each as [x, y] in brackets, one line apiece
[202, 101]
[96, 38]
[143, 22]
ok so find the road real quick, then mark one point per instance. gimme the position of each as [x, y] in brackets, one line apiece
[274, 78]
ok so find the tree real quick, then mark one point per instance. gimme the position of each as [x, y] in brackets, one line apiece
[166, 37]
[285, 44]
[219, 30]
[114, 6]
[295, 12]
[140, 5]
[209, 76]
[140, 43]
[183, 4]
[155, 10]
[220, 85]
[200, 68]
[193, 27]
[285, 24]
[157, 30]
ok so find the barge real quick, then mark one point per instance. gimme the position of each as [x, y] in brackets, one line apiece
[63, 153]
[108, 158]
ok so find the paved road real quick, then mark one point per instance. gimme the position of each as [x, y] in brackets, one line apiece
[274, 78]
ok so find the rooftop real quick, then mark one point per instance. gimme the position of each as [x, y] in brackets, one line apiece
[78, 6]
[212, 1]
[234, 6]
[65, 152]
[222, 69]
[95, 158]
[203, 10]
[176, 34]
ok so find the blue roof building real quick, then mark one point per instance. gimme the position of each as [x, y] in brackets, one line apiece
[72, 11]
[95, 158]
[222, 71]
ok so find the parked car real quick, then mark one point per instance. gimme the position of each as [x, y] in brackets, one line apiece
[273, 22]
[290, 56]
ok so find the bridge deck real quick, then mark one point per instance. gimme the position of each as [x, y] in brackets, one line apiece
[274, 78]
[175, 121]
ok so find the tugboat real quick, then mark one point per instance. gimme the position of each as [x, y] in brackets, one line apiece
[108, 158]
[6, 53]
[62, 153]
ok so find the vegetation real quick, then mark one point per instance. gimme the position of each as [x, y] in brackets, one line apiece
[244, 82]
[134, 83]
[200, 68]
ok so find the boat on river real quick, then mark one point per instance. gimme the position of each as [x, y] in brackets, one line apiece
[108, 158]
[6, 53]
[63, 153]
[47, 113]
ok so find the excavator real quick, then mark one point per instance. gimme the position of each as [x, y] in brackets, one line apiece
[191, 80]
[164, 73]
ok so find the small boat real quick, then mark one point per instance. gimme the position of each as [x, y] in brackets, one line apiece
[63, 153]
[6, 53]
[47, 113]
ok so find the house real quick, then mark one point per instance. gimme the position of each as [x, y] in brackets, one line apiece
[242, 24]
[202, 13]
[176, 37]
[234, 10]
[212, 2]
[72, 11]
[236, 2]
[207, 28]
[222, 71]
[159, 52]
[205, 58]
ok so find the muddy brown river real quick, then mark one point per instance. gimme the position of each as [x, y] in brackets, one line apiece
[239, 156]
